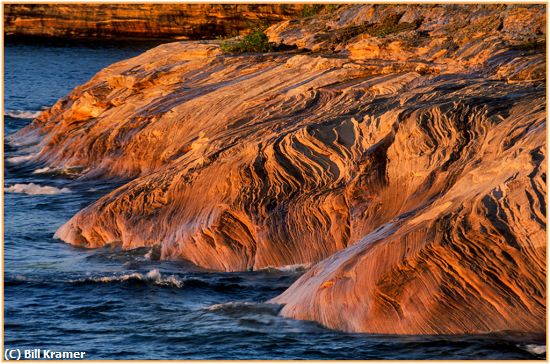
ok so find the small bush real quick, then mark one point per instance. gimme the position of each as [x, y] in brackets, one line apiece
[256, 41]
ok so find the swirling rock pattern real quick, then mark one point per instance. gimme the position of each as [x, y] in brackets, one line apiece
[417, 188]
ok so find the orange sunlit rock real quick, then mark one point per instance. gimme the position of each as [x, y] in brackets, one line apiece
[414, 181]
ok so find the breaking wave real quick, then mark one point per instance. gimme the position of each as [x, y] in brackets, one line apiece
[42, 170]
[154, 277]
[20, 158]
[292, 268]
[151, 277]
[535, 349]
[22, 114]
[34, 189]
[72, 171]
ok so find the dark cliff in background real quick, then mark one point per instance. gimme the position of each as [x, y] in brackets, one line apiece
[193, 21]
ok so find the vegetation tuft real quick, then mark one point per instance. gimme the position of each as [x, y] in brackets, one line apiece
[256, 41]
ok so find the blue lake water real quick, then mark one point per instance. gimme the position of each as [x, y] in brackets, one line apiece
[116, 304]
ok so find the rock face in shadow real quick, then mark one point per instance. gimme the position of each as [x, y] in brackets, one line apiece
[415, 185]
[194, 21]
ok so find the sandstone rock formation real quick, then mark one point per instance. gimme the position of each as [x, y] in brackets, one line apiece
[414, 180]
[193, 21]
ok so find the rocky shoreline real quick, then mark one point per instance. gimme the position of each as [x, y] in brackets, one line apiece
[403, 154]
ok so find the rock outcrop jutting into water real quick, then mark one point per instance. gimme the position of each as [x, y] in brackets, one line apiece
[403, 154]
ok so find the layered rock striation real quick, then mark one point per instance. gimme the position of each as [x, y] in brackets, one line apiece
[412, 175]
[193, 21]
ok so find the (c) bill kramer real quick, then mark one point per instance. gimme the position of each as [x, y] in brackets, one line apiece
[52, 354]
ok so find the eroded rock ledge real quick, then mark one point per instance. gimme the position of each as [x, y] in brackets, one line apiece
[416, 182]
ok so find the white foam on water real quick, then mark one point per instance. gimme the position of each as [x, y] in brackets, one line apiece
[153, 276]
[289, 268]
[29, 139]
[41, 170]
[535, 349]
[293, 267]
[21, 158]
[148, 255]
[62, 171]
[22, 114]
[34, 189]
